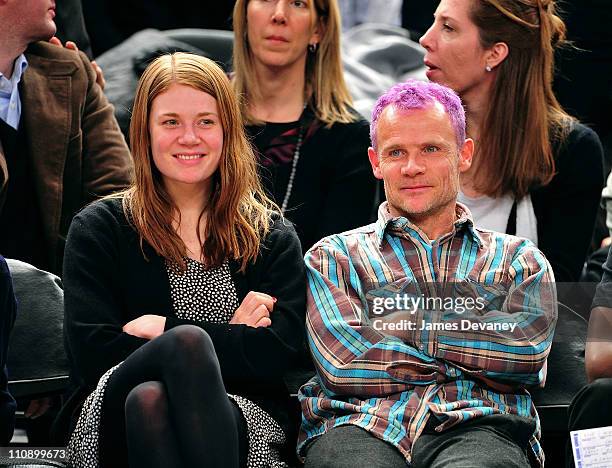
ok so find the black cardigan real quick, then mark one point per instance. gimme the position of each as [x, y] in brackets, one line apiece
[334, 189]
[108, 282]
[566, 208]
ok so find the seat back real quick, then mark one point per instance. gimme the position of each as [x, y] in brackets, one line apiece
[8, 462]
[565, 374]
[215, 43]
[37, 362]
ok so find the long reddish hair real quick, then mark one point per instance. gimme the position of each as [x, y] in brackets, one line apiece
[238, 213]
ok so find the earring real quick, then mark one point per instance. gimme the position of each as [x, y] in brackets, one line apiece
[312, 48]
[488, 68]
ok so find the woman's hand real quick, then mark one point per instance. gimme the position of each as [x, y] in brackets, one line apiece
[146, 326]
[72, 46]
[255, 310]
[38, 407]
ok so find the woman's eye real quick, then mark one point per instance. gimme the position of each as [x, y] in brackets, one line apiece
[170, 122]
[446, 27]
[300, 4]
[207, 122]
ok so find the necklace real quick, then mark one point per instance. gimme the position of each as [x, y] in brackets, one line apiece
[296, 158]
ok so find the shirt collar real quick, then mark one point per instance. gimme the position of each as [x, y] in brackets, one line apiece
[463, 221]
[21, 63]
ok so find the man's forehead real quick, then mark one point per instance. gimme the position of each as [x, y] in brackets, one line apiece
[431, 121]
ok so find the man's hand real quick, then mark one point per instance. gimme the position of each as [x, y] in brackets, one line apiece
[146, 326]
[72, 46]
[255, 310]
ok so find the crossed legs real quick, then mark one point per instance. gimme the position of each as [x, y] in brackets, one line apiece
[166, 406]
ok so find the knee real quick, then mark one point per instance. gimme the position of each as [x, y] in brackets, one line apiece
[189, 347]
[598, 392]
[592, 406]
[602, 386]
[320, 453]
[187, 340]
[148, 398]
[339, 447]
[321, 459]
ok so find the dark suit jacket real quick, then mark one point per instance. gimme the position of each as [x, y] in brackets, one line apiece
[76, 150]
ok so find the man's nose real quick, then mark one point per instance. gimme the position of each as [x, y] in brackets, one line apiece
[413, 166]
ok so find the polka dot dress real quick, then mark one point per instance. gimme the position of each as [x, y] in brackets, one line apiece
[197, 294]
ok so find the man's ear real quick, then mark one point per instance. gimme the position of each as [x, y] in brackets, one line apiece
[497, 54]
[466, 154]
[375, 162]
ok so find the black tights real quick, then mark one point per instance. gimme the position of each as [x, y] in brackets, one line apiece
[166, 406]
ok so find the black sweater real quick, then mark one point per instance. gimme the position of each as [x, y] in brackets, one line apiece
[108, 282]
[566, 208]
[334, 189]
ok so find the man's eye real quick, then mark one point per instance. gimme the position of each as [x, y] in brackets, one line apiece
[431, 149]
[395, 153]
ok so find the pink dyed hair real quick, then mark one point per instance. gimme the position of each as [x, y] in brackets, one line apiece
[415, 94]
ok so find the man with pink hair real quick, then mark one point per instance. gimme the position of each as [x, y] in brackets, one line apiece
[425, 330]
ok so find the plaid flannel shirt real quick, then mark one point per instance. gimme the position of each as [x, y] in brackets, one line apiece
[391, 383]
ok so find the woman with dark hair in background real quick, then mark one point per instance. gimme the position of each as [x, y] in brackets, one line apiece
[186, 286]
[312, 145]
[537, 172]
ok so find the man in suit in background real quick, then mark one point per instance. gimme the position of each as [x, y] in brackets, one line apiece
[60, 144]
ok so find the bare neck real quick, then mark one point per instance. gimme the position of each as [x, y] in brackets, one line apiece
[10, 49]
[476, 102]
[436, 228]
[190, 201]
[433, 225]
[188, 222]
[281, 93]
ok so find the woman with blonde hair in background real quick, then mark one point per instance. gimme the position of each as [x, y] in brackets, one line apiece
[537, 172]
[184, 287]
[312, 146]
